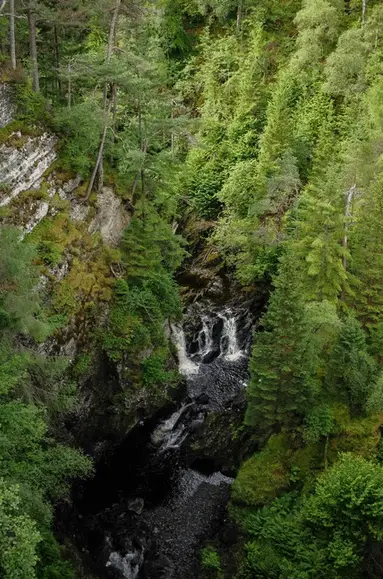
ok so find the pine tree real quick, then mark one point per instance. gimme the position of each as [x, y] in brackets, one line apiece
[320, 247]
[352, 371]
[283, 360]
[367, 258]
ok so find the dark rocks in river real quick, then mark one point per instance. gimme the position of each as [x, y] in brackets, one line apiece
[136, 505]
[165, 489]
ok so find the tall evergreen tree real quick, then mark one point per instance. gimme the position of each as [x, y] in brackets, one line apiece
[282, 384]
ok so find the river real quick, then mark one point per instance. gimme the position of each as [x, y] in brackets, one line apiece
[147, 511]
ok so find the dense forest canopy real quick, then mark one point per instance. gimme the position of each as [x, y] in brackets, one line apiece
[255, 126]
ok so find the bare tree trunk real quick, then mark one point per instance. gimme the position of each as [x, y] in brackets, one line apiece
[239, 15]
[57, 57]
[2, 5]
[33, 45]
[111, 43]
[347, 214]
[325, 457]
[12, 38]
[114, 107]
[69, 85]
[99, 156]
[349, 195]
[364, 11]
[97, 165]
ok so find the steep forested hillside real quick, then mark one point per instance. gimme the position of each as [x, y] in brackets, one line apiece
[243, 133]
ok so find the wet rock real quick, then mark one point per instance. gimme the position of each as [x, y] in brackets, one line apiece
[203, 398]
[136, 505]
[72, 184]
[111, 218]
[41, 210]
[79, 212]
[7, 107]
[21, 168]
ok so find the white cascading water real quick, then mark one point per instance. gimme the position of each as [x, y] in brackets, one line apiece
[185, 365]
[205, 338]
[229, 347]
[190, 480]
[229, 339]
[214, 376]
[129, 565]
[168, 435]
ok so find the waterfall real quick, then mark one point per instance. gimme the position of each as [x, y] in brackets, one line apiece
[229, 343]
[129, 565]
[205, 338]
[185, 365]
[168, 435]
[178, 503]
[190, 480]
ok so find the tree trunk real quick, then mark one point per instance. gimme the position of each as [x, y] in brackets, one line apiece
[2, 5]
[111, 43]
[69, 85]
[57, 58]
[239, 15]
[96, 169]
[33, 45]
[12, 38]
[325, 457]
[364, 11]
[347, 214]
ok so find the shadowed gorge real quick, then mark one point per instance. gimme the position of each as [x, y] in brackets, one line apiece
[191, 289]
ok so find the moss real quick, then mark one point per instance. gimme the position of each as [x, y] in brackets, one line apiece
[266, 474]
[5, 188]
[5, 212]
[37, 194]
[59, 204]
[17, 141]
[8, 137]
[23, 206]
[82, 366]
[52, 235]
[88, 282]
[81, 191]
[358, 435]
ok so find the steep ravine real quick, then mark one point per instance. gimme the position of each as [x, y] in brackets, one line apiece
[150, 506]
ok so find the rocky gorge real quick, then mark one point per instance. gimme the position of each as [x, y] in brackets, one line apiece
[164, 468]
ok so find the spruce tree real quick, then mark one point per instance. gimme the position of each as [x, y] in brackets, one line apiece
[367, 258]
[352, 371]
[283, 360]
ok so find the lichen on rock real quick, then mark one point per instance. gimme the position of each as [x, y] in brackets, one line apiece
[7, 107]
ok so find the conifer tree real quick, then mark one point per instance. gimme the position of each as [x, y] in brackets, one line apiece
[283, 361]
[367, 258]
[352, 371]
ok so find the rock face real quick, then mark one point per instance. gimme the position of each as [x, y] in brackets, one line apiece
[21, 167]
[7, 109]
[111, 218]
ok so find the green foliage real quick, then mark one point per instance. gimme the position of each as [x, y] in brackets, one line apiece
[351, 367]
[50, 564]
[32, 107]
[319, 422]
[35, 471]
[18, 536]
[284, 357]
[324, 534]
[80, 128]
[19, 302]
[210, 561]
[265, 475]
